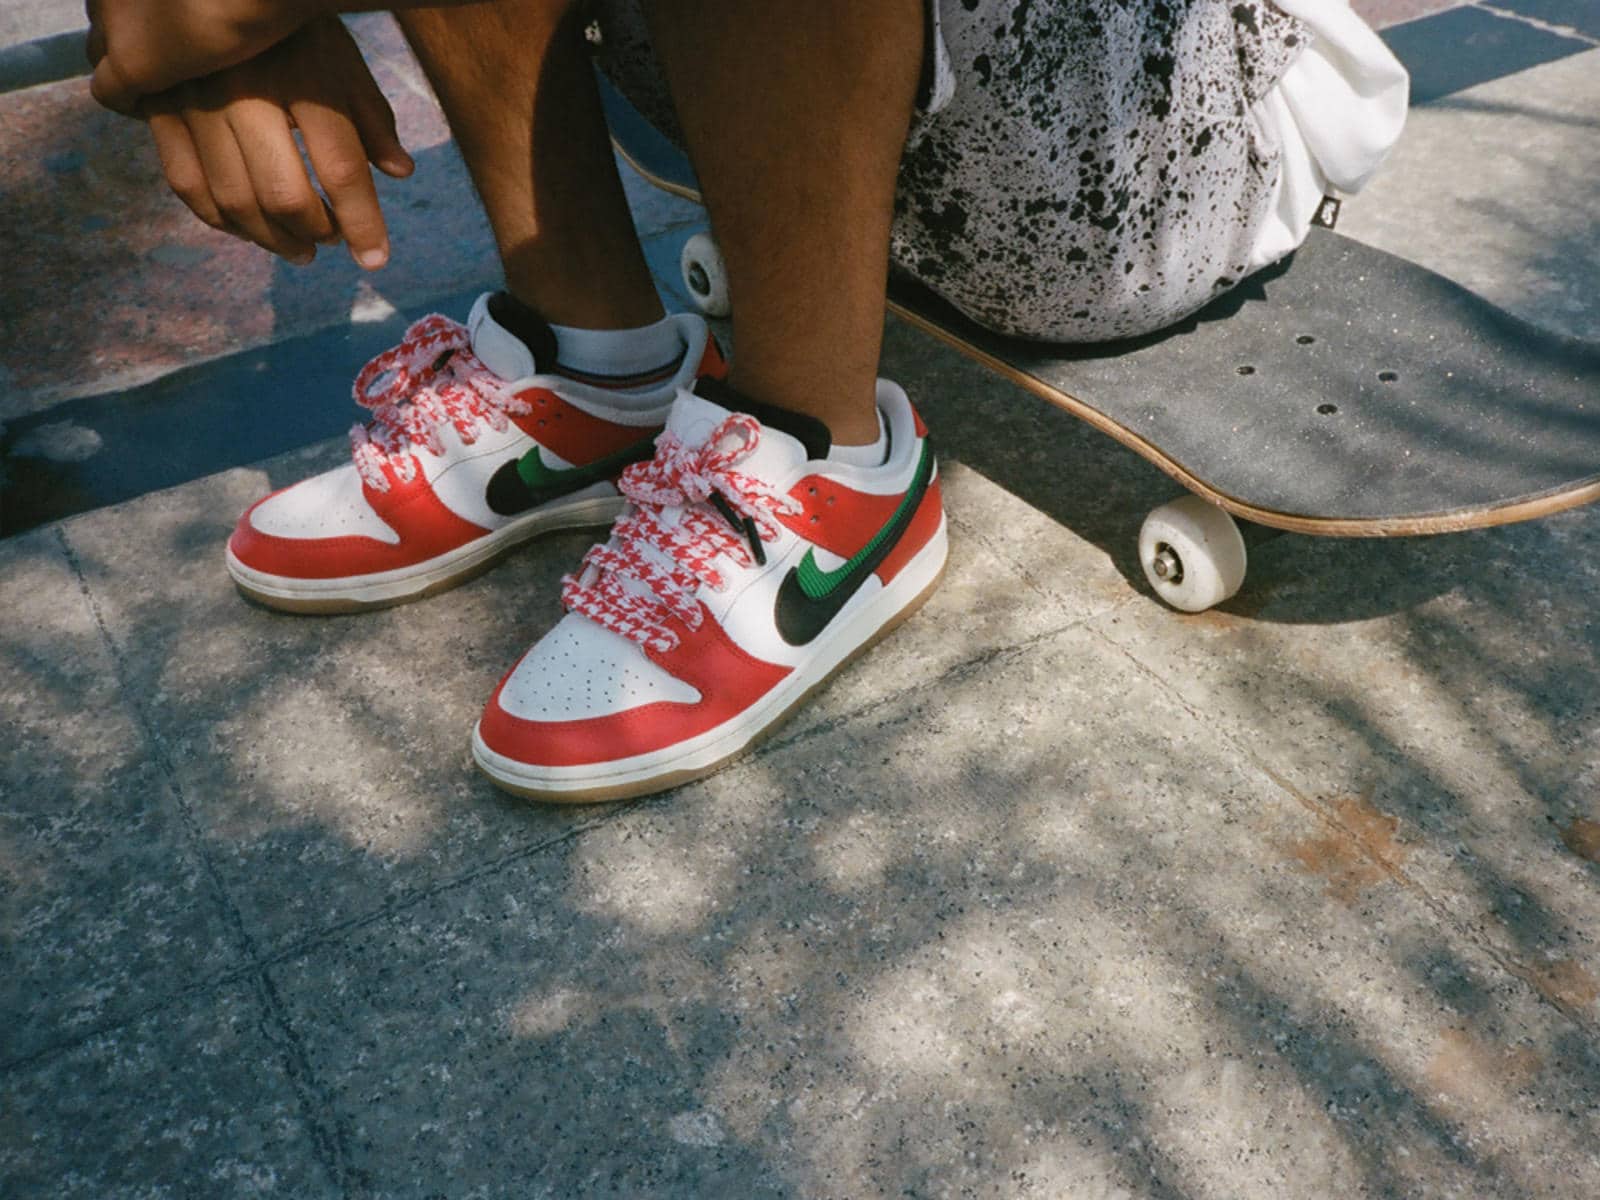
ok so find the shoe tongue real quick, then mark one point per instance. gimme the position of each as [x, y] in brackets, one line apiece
[509, 337]
[695, 416]
[791, 436]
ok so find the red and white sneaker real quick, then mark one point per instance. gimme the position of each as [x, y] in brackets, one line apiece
[471, 449]
[748, 570]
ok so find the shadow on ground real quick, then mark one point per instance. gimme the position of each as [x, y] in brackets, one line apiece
[1056, 891]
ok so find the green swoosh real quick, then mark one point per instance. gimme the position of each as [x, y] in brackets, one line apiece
[536, 474]
[817, 583]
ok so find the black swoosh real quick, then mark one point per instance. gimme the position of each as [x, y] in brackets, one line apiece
[801, 618]
[509, 493]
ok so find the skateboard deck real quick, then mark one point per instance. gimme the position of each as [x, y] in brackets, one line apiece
[1343, 392]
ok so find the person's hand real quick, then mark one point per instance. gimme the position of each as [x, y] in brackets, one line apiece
[142, 47]
[228, 150]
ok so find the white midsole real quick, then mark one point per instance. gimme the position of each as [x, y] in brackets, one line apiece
[404, 581]
[726, 739]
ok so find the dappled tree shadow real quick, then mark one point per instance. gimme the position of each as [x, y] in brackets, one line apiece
[1057, 893]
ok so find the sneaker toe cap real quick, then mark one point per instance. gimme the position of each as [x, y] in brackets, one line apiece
[330, 505]
[311, 528]
[581, 694]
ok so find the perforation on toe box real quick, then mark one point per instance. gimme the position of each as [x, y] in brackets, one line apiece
[579, 670]
[325, 506]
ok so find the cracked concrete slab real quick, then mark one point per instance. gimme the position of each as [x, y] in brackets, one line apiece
[1012, 908]
[992, 937]
[327, 758]
[190, 1100]
[102, 900]
[1441, 692]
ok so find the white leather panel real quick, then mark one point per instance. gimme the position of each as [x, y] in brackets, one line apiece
[460, 477]
[324, 506]
[579, 670]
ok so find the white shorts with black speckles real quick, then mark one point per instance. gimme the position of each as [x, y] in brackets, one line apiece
[1085, 170]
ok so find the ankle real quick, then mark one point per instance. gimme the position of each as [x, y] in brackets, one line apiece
[856, 430]
[588, 306]
[849, 408]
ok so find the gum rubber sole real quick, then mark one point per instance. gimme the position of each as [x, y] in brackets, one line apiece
[313, 605]
[636, 788]
[336, 606]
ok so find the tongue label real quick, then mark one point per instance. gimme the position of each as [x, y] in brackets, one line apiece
[509, 337]
[496, 347]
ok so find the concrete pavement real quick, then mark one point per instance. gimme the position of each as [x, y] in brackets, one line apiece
[1057, 893]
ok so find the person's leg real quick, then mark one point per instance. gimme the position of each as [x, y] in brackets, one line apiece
[763, 548]
[520, 421]
[795, 117]
[518, 90]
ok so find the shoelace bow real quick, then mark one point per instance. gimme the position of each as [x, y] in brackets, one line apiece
[685, 550]
[413, 389]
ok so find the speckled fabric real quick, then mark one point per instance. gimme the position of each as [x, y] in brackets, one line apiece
[1095, 169]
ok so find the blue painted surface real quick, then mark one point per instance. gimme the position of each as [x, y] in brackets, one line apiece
[1581, 15]
[1463, 47]
[43, 60]
[197, 421]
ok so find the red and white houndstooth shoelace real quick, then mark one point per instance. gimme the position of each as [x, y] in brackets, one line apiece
[685, 501]
[413, 389]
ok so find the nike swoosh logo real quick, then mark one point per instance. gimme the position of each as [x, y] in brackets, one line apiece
[526, 482]
[809, 597]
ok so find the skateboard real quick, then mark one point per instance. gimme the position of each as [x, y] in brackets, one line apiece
[1344, 392]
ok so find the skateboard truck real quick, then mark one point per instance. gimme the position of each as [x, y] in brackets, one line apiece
[1166, 565]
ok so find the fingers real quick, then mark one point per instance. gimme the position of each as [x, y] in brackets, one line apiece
[340, 160]
[278, 177]
[108, 86]
[346, 123]
[374, 121]
[228, 147]
[234, 191]
[180, 162]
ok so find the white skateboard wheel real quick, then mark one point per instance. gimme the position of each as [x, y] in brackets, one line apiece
[704, 275]
[1192, 554]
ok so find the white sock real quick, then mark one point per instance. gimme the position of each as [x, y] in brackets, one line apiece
[873, 454]
[621, 360]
